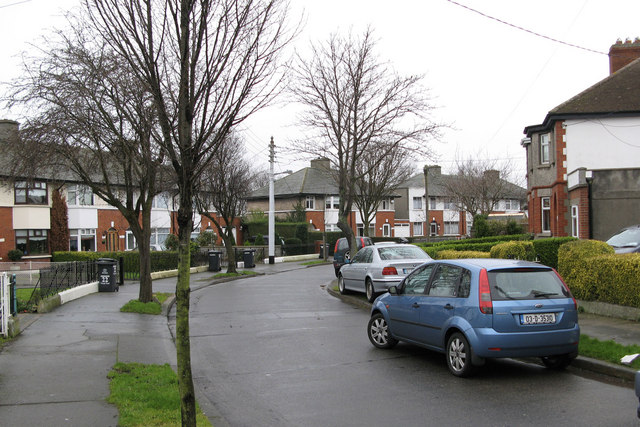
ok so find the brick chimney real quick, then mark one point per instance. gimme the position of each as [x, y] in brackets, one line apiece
[621, 54]
[8, 131]
[321, 163]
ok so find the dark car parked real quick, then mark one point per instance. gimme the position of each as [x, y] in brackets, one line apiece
[341, 253]
[626, 240]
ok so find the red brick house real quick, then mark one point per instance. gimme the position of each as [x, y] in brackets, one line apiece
[583, 161]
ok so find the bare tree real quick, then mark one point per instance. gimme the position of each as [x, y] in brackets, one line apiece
[208, 66]
[478, 185]
[92, 118]
[223, 187]
[354, 103]
[382, 178]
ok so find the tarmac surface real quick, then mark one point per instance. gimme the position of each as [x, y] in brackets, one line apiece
[55, 372]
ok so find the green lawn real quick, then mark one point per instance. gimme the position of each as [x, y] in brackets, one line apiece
[147, 395]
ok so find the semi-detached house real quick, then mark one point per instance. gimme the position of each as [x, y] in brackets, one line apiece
[583, 161]
[94, 226]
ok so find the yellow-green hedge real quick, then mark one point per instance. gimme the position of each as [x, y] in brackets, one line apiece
[594, 272]
[451, 254]
[514, 250]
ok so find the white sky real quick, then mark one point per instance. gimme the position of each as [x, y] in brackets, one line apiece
[488, 79]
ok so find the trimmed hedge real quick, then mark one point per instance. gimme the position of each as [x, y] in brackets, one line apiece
[546, 250]
[514, 250]
[490, 239]
[451, 254]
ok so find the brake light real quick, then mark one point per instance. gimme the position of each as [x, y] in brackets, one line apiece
[388, 271]
[575, 303]
[484, 293]
[335, 250]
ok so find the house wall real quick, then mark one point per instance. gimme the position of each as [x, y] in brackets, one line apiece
[107, 219]
[7, 235]
[607, 143]
[615, 199]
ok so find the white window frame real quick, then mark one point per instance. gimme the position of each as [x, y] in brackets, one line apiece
[130, 241]
[77, 195]
[417, 203]
[386, 204]
[545, 205]
[451, 228]
[386, 230]
[545, 149]
[332, 203]
[575, 224]
[432, 203]
[77, 234]
[310, 202]
[419, 227]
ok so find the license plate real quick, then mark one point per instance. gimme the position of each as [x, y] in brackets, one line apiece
[407, 270]
[537, 318]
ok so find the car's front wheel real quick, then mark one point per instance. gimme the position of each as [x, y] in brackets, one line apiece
[341, 288]
[459, 355]
[368, 286]
[557, 362]
[378, 331]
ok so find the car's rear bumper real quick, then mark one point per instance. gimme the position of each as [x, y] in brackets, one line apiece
[383, 285]
[486, 342]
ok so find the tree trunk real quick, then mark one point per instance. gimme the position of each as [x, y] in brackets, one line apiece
[183, 343]
[231, 255]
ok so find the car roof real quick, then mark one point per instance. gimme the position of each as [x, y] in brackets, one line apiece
[492, 263]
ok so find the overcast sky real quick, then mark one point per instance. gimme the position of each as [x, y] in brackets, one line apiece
[488, 79]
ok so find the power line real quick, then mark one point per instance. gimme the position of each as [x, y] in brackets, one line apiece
[525, 29]
[14, 4]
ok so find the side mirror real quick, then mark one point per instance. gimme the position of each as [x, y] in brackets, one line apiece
[393, 290]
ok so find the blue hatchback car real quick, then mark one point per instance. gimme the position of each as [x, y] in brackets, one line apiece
[475, 309]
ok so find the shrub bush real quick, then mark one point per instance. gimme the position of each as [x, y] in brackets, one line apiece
[451, 254]
[15, 255]
[294, 246]
[259, 240]
[546, 250]
[513, 250]
[576, 266]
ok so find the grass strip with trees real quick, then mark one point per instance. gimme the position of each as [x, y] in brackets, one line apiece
[147, 395]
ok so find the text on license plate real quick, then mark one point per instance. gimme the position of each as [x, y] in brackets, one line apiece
[537, 318]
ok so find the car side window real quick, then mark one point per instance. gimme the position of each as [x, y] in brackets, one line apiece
[416, 283]
[465, 284]
[445, 281]
[362, 256]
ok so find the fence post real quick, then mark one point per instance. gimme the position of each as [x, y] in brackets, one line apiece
[14, 297]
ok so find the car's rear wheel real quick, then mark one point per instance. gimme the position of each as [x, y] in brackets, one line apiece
[341, 288]
[459, 355]
[557, 362]
[368, 286]
[378, 331]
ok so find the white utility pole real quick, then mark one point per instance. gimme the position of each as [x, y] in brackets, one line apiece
[272, 225]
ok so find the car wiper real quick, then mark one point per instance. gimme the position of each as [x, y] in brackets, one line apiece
[539, 294]
[503, 292]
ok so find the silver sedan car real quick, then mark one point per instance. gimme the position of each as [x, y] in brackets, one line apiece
[375, 268]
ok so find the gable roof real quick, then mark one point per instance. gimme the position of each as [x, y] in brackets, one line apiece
[438, 189]
[307, 181]
[617, 94]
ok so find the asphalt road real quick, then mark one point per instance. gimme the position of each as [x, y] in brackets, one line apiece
[278, 350]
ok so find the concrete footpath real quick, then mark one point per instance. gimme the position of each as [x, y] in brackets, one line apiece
[55, 372]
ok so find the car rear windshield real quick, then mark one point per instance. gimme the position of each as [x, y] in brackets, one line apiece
[401, 252]
[526, 283]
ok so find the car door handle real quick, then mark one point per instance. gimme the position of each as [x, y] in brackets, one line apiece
[415, 305]
[448, 307]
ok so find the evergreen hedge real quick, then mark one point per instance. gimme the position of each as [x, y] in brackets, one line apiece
[546, 250]
[451, 254]
[513, 250]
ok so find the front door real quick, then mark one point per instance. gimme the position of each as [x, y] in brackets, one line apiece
[112, 240]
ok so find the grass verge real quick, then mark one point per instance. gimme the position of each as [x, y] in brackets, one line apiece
[147, 395]
[239, 273]
[316, 262]
[153, 307]
[609, 351]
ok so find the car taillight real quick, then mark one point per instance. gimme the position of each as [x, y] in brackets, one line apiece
[387, 271]
[335, 250]
[484, 293]
[575, 303]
